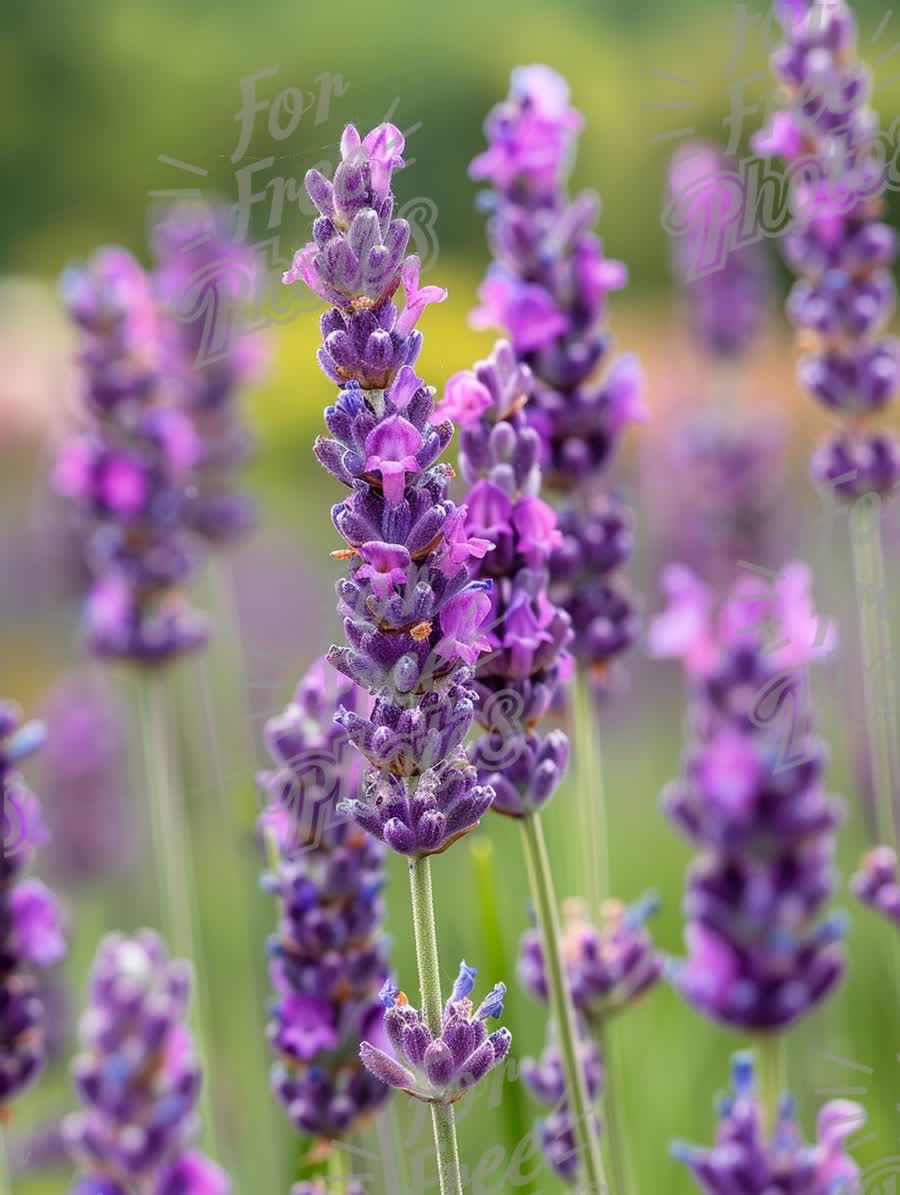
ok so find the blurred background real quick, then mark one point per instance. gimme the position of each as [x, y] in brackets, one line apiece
[111, 105]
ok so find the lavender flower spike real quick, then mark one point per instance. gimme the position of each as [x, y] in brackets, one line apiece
[439, 1068]
[138, 1078]
[31, 934]
[760, 954]
[878, 884]
[743, 1159]
[329, 958]
[545, 1080]
[547, 289]
[838, 243]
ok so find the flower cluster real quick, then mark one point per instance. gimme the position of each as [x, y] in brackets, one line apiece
[547, 289]
[752, 799]
[608, 969]
[743, 1159]
[138, 1078]
[546, 1082]
[203, 277]
[878, 884]
[127, 471]
[329, 956]
[837, 244]
[727, 287]
[412, 614]
[30, 921]
[515, 534]
[439, 1068]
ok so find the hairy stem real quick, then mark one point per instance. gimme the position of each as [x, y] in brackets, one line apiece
[561, 1006]
[171, 841]
[878, 676]
[428, 960]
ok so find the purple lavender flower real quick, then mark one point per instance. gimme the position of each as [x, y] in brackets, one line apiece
[727, 287]
[204, 277]
[138, 1078]
[743, 1159]
[329, 959]
[413, 617]
[759, 955]
[837, 243]
[547, 289]
[439, 1068]
[877, 883]
[545, 1081]
[85, 781]
[31, 923]
[126, 473]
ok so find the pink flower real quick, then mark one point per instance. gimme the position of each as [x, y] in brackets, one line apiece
[526, 310]
[416, 299]
[385, 566]
[684, 630]
[123, 485]
[404, 386]
[458, 548]
[462, 618]
[535, 523]
[391, 449]
[384, 146]
[303, 266]
[465, 400]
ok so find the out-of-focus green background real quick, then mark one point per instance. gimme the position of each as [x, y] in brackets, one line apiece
[93, 94]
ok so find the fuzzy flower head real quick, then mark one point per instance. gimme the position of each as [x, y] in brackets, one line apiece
[137, 1076]
[743, 1158]
[439, 1068]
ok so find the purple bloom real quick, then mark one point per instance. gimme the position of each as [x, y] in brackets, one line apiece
[759, 953]
[138, 1078]
[548, 288]
[413, 618]
[837, 243]
[439, 1069]
[329, 955]
[31, 936]
[877, 884]
[744, 1159]
[546, 1083]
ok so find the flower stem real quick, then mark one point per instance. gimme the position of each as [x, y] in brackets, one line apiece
[589, 797]
[339, 1172]
[430, 986]
[5, 1175]
[561, 1005]
[772, 1070]
[616, 1153]
[171, 837]
[878, 676]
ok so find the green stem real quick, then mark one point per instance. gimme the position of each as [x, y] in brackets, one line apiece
[442, 1116]
[878, 677]
[339, 1172]
[561, 1006]
[772, 1076]
[616, 1152]
[589, 797]
[5, 1175]
[171, 836]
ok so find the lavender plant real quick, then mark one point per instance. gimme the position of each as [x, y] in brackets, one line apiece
[877, 884]
[412, 614]
[329, 957]
[138, 1078]
[761, 955]
[842, 252]
[30, 919]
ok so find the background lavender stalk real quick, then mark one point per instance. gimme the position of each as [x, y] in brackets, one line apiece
[412, 616]
[547, 289]
[840, 304]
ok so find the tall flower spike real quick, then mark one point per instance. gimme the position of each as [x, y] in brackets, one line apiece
[744, 1159]
[126, 473]
[204, 279]
[30, 921]
[752, 800]
[329, 958]
[878, 885]
[837, 242]
[545, 1080]
[137, 1078]
[547, 290]
[439, 1068]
